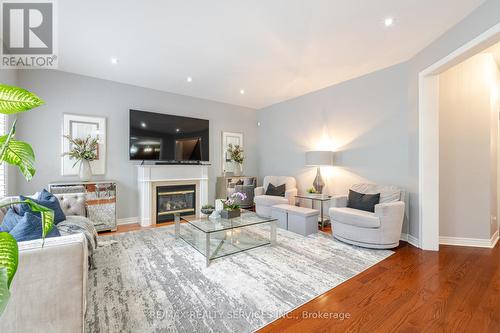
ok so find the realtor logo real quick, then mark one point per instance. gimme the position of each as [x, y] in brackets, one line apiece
[28, 32]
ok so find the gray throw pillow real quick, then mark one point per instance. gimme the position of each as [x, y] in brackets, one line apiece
[362, 201]
[277, 191]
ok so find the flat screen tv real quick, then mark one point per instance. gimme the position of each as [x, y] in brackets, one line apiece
[167, 138]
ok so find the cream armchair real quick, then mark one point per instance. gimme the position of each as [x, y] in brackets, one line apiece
[263, 202]
[381, 229]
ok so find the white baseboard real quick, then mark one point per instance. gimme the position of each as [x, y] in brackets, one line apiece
[410, 239]
[128, 220]
[475, 242]
[413, 241]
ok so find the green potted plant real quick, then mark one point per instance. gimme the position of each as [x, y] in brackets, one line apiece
[231, 207]
[12, 101]
[236, 154]
[83, 151]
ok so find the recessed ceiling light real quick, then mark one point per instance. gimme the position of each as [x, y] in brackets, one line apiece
[242, 91]
[143, 124]
[177, 129]
[114, 61]
[189, 79]
[389, 22]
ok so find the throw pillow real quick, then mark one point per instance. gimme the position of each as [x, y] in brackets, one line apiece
[362, 201]
[30, 227]
[48, 200]
[278, 191]
[10, 220]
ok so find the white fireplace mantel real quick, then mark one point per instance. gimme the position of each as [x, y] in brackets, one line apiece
[150, 176]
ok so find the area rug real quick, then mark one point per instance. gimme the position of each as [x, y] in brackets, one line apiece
[150, 282]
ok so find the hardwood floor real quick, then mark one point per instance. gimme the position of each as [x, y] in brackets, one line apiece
[454, 290]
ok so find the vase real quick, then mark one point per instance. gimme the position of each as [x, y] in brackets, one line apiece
[85, 170]
[237, 169]
[230, 214]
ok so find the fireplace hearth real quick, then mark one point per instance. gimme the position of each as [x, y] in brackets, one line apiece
[174, 199]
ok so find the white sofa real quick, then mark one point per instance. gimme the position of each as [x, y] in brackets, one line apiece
[380, 229]
[48, 292]
[264, 203]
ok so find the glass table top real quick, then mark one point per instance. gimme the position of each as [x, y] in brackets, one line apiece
[312, 196]
[207, 225]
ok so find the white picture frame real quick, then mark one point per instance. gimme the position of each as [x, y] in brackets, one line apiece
[78, 126]
[236, 139]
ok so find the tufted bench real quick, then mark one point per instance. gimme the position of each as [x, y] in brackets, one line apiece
[300, 220]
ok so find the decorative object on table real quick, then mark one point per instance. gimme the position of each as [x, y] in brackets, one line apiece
[83, 151]
[14, 100]
[207, 209]
[311, 190]
[232, 206]
[236, 154]
[219, 205]
[81, 127]
[100, 200]
[229, 167]
[215, 215]
[318, 159]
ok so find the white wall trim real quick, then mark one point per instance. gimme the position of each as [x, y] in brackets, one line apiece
[409, 239]
[128, 220]
[428, 108]
[475, 242]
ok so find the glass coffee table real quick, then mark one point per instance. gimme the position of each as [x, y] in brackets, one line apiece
[222, 237]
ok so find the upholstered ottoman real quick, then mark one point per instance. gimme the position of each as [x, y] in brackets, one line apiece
[301, 220]
[279, 212]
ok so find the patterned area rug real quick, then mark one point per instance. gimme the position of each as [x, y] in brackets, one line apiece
[150, 282]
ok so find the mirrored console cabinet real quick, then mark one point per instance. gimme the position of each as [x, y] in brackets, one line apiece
[100, 200]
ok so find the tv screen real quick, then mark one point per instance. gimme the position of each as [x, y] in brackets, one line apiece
[168, 138]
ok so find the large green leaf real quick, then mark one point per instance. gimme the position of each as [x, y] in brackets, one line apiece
[47, 215]
[4, 289]
[8, 254]
[14, 100]
[17, 153]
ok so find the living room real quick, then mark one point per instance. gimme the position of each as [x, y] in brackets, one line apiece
[263, 166]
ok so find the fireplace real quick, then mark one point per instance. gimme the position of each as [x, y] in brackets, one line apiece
[173, 199]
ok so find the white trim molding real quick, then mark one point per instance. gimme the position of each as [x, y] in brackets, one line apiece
[428, 107]
[410, 239]
[128, 220]
[474, 242]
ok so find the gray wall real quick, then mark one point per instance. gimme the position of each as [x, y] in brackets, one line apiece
[364, 120]
[70, 93]
[483, 18]
[345, 110]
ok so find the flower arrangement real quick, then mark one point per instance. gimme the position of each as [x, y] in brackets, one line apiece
[82, 149]
[231, 206]
[233, 202]
[236, 153]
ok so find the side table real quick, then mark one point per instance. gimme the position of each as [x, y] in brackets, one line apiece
[317, 197]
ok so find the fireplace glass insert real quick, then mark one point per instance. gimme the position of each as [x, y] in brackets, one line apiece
[175, 199]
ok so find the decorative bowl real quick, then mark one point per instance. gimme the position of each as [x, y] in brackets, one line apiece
[207, 211]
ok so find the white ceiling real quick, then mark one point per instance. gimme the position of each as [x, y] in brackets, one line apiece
[273, 49]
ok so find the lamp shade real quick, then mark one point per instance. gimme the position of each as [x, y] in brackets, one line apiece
[319, 158]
